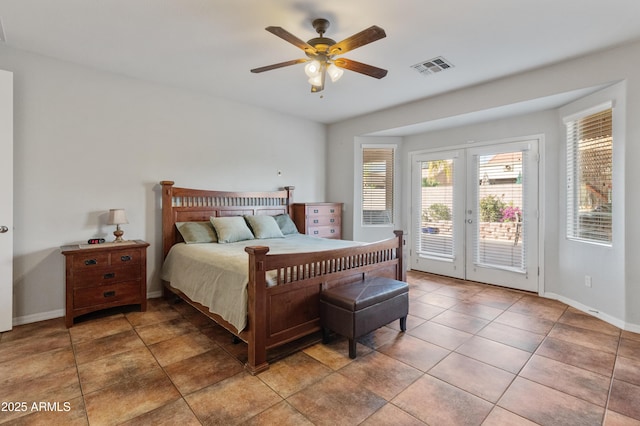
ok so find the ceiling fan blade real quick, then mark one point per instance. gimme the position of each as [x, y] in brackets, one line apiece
[279, 65]
[287, 36]
[367, 36]
[356, 66]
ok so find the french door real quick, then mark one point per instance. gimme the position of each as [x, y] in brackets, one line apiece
[475, 214]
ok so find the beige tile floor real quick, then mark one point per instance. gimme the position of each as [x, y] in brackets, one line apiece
[472, 354]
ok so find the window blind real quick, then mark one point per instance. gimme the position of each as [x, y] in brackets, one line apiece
[500, 238]
[589, 176]
[377, 185]
[437, 209]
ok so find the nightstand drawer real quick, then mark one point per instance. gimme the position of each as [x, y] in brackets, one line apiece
[322, 210]
[122, 293]
[102, 276]
[90, 260]
[126, 257]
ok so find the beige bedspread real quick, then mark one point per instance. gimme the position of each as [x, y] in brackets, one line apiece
[216, 275]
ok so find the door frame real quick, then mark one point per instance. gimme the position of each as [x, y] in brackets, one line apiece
[540, 137]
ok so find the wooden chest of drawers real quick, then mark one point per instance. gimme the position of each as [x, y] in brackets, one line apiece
[318, 219]
[105, 276]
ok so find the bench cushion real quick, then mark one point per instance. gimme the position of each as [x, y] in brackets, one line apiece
[360, 295]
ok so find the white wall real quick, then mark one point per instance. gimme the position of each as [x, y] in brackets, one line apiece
[604, 264]
[86, 141]
[585, 72]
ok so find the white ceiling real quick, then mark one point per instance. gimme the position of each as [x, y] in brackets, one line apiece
[210, 45]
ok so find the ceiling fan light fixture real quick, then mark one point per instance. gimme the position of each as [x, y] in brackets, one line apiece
[316, 80]
[313, 68]
[320, 53]
[334, 72]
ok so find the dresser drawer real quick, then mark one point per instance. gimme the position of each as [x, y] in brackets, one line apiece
[101, 276]
[121, 293]
[322, 210]
[324, 231]
[318, 219]
[323, 221]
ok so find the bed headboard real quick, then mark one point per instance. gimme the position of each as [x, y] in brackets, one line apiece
[192, 205]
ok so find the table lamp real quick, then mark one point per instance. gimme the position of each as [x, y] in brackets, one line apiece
[117, 217]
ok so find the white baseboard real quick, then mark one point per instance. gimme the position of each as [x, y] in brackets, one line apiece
[58, 313]
[596, 313]
[42, 316]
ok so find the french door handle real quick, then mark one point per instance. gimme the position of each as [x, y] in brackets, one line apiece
[3, 229]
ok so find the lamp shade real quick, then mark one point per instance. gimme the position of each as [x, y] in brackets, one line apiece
[312, 69]
[117, 217]
[334, 72]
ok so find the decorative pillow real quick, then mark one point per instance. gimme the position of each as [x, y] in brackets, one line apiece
[264, 226]
[286, 224]
[231, 229]
[197, 232]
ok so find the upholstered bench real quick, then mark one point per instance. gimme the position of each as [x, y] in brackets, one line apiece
[354, 310]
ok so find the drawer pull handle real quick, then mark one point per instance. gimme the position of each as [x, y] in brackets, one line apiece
[332, 210]
[111, 293]
[90, 262]
[125, 258]
[109, 275]
[315, 210]
[315, 232]
[332, 220]
[333, 231]
[315, 220]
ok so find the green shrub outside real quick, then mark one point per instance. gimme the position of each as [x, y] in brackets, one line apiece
[439, 211]
[491, 209]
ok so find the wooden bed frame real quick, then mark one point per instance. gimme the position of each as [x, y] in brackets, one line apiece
[289, 310]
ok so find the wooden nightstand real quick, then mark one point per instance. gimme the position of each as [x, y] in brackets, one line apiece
[318, 219]
[104, 276]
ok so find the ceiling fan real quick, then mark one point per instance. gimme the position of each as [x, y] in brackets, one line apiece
[322, 51]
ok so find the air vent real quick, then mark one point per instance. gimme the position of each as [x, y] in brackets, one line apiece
[432, 66]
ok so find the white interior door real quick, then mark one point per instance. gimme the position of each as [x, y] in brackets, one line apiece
[475, 214]
[6, 206]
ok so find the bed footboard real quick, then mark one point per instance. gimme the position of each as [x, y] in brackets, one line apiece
[290, 310]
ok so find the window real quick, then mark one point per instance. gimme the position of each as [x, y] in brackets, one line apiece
[589, 175]
[377, 185]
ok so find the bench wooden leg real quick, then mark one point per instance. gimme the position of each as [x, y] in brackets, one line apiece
[403, 324]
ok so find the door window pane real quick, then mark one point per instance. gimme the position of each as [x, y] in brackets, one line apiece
[437, 209]
[500, 238]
